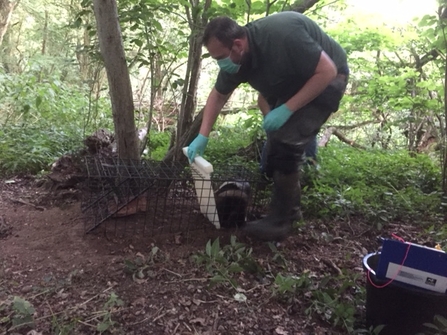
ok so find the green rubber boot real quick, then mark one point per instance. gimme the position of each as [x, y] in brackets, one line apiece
[285, 209]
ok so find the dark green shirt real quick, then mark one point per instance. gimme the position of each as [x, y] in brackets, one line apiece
[284, 51]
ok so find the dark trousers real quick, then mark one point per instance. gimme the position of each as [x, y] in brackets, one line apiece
[286, 146]
[310, 154]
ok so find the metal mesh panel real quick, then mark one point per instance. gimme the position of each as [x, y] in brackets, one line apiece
[150, 197]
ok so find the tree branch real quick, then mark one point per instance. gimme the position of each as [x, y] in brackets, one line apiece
[334, 131]
[302, 6]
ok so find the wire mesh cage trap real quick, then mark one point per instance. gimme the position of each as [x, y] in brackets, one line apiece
[149, 197]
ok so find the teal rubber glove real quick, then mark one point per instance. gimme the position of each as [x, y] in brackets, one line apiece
[197, 147]
[276, 118]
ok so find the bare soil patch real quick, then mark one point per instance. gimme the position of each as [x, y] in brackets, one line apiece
[82, 283]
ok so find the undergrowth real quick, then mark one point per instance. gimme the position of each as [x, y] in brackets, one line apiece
[379, 186]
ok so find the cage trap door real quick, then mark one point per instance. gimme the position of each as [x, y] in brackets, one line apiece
[201, 172]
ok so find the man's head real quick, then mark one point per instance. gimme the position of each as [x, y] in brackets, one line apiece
[225, 40]
[224, 29]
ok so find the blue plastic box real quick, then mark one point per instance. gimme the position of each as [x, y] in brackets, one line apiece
[424, 267]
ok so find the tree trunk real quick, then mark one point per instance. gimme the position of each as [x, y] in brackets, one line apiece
[112, 51]
[442, 14]
[197, 20]
[6, 9]
[444, 146]
[45, 34]
[182, 142]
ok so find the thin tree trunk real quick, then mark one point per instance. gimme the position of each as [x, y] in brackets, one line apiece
[45, 34]
[6, 9]
[197, 21]
[442, 13]
[112, 51]
[182, 142]
[444, 146]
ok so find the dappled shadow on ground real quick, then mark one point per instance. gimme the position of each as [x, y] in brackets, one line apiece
[80, 283]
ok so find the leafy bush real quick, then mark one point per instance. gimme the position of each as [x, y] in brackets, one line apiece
[43, 117]
[223, 263]
[225, 143]
[33, 148]
[36, 95]
[158, 145]
[381, 186]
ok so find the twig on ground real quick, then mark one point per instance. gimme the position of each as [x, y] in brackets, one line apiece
[38, 294]
[160, 316]
[186, 325]
[87, 324]
[94, 297]
[20, 201]
[139, 322]
[216, 322]
[332, 265]
[172, 272]
[185, 280]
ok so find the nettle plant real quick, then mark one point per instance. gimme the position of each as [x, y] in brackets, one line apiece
[223, 263]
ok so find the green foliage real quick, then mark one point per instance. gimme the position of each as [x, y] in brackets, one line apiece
[222, 263]
[252, 124]
[33, 148]
[113, 303]
[438, 327]
[285, 287]
[62, 327]
[328, 301]
[236, 136]
[354, 39]
[141, 267]
[158, 145]
[42, 119]
[370, 331]
[379, 185]
[37, 94]
[439, 233]
[328, 298]
[23, 313]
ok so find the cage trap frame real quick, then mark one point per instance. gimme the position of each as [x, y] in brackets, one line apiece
[150, 197]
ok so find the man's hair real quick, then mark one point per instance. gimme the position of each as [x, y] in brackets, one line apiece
[224, 30]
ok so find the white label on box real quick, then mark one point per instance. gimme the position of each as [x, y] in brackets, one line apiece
[427, 280]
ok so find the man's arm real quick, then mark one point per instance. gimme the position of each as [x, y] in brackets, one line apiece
[325, 72]
[214, 105]
[263, 104]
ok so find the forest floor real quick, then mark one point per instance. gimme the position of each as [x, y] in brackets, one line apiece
[64, 281]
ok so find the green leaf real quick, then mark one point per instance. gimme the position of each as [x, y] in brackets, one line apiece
[38, 101]
[157, 25]
[23, 306]
[103, 326]
[235, 268]
[4, 320]
[137, 42]
[441, 320]
[208, 248]
[215, 248]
